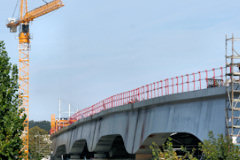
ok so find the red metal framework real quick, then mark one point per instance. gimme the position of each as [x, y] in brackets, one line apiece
[184, 83]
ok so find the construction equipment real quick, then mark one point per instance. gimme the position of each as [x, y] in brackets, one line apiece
[233, 89]
[61, 121]
[57, 124]
[24, 48]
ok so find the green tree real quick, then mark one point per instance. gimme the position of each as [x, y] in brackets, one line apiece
[11, 123]
[39, 143]
[41, 124]
[167, 152]
[220, 148]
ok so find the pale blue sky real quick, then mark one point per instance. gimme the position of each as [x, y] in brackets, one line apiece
[92, 49]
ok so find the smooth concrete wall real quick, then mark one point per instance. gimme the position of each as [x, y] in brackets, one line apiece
[196, 112]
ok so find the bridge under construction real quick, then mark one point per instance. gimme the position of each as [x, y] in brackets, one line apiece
[185, 107]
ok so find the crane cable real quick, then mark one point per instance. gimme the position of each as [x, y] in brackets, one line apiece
[15, 8]
[45, 1]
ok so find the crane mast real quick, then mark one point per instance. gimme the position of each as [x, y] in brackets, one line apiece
[24, 49]
[24, 88]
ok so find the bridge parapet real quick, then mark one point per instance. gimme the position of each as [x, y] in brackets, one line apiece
[179, 84]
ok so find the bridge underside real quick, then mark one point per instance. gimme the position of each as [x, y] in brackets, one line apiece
[126, 132]
[112, 147]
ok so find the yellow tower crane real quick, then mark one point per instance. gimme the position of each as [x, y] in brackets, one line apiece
[24, 48]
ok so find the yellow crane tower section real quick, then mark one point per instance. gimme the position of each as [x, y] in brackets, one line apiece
[24, 48]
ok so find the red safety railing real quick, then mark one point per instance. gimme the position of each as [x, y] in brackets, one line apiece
[174, 85]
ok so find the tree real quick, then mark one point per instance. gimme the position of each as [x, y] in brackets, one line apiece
[11, 121]
[39, 143]
[41, 124]
[220, 148]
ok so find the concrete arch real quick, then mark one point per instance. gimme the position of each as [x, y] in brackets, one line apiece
[159, 138]
[118, 149]
[61, 150]
[78, 147]
[104, 144]
[179, 139]
[112, 146]
[188, 141]
[185, 139]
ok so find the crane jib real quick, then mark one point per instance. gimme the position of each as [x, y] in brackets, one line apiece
[35, 13]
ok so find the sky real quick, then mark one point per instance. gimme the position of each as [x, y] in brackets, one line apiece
[90, 50]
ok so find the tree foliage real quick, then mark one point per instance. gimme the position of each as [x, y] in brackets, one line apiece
[41, 124]
[220, 148]
[11, 123]
[39, 143]
[167, 152]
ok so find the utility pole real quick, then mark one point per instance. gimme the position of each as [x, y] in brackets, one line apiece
[69, 111]
[35, 155]
[38, 145]
[59, 108]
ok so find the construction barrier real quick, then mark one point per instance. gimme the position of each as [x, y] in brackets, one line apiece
[179, 84]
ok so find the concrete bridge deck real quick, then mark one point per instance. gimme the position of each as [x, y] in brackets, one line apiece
[128, 130]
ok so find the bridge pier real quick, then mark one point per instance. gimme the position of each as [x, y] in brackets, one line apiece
[143, 157]
[100, 156]
[74, 157]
